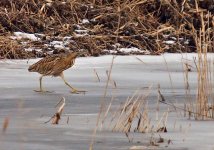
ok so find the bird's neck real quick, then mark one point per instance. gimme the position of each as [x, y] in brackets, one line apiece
[71, 57]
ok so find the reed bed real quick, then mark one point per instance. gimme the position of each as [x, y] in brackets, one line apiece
[204, 103]
[203, 107]
[151, 25]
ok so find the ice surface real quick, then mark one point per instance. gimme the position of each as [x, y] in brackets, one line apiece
[132, 59]
[28, 110]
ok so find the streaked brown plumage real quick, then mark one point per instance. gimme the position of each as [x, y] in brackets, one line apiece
[54, 66]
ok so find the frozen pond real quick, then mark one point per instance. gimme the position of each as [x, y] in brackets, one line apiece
[27, 110]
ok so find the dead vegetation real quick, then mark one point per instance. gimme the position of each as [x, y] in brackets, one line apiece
[5, 124]
[204, 67]
[57, 116]
[133, 110]
[133, 116]
[156, 26]
[12, 49]
[204, 104]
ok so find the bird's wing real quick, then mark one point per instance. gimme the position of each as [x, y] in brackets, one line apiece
[45, 65]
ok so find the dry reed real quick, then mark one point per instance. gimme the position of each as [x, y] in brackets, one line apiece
[204, 102]
[145, 24]
[102, 106]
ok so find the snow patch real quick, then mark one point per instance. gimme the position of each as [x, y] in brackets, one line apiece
[66, 38]
[57, 44]
[81, 35]
[31, 49]
[129, 50]
[133, 50]
[22, 35]
[186, 42]
[85, 21]
[81, 31]
[170, 42]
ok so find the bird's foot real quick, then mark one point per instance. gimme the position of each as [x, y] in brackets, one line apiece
[78, 91]
[43, 91]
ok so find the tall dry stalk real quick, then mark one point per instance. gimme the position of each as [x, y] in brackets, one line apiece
[188, 103]
[102, 106]
[204, 94]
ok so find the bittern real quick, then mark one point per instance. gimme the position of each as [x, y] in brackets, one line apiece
[54, 66]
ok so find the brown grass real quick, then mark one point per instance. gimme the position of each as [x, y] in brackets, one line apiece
[144, 24]
[5, 124]
[11, 49]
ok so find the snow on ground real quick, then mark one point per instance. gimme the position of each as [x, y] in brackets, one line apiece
[31, 49]
[59, 43]
[170, 42]
[81, 31]
[85, 21]
[132, 50]
[21, 35]
[128, 50]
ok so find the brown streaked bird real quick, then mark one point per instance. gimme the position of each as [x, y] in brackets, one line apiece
[54, 66]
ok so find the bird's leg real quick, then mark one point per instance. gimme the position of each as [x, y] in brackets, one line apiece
[73, 90]
[40, 86]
